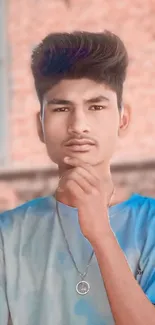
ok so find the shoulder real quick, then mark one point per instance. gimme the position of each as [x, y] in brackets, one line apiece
[143, 209]
[140, 205]
[36, 207]
[144, 206]
[137, 216]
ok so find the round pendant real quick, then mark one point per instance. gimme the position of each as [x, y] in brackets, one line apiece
[82, 287]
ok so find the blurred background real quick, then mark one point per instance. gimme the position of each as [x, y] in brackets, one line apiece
[25, 169]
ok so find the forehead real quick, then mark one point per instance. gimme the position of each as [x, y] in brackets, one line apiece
[73, 89]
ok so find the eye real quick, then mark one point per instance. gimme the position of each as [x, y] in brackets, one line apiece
[60, 109]
[97, 107]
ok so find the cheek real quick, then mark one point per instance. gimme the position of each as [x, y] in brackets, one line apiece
[108, 140]
[53, 131]
[53, 141]
[108, 132]
[55, 135]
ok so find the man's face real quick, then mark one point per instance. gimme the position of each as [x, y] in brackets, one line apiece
[85, 111]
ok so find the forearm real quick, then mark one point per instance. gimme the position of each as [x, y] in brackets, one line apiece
[128, 302]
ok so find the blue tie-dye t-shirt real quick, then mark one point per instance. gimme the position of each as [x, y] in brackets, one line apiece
[37, 275]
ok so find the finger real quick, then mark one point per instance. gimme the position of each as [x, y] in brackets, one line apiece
[76, 162]
[75, 191]
[80, 181]
[87, 175]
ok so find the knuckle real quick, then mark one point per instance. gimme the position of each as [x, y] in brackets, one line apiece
[78, 169]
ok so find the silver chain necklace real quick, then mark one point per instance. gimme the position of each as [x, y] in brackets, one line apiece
[82, 287]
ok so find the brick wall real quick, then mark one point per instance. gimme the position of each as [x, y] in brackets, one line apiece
[132, 20]
[28, 22]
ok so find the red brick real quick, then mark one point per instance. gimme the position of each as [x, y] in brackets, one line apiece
[132, 20]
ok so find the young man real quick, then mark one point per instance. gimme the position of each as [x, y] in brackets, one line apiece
[77, 257]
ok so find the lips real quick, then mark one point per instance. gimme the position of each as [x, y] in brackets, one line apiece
[80, 145]
[80, 148]
[79, 142]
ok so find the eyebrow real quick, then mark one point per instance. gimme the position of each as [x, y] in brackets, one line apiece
[57, 101]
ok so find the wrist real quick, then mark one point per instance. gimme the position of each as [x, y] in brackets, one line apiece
[99, 239]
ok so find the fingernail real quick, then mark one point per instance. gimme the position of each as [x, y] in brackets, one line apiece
[59, 189]
[66, 158]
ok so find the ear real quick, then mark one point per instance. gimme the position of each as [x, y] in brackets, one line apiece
[39, 127]
[125, 118]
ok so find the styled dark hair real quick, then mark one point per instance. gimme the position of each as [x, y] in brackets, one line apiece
[101, 57]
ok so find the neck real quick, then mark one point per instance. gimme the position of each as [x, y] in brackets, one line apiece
[121, 194]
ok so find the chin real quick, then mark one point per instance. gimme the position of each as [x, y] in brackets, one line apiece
[85, 157]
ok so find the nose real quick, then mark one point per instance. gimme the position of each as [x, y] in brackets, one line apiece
[78, 124]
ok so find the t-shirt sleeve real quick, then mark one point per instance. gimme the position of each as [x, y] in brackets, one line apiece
[147, 261]
[3, 299]
[148, 279]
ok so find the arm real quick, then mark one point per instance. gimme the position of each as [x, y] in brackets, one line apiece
[128, 302]
[90, 194]
[3, 299]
